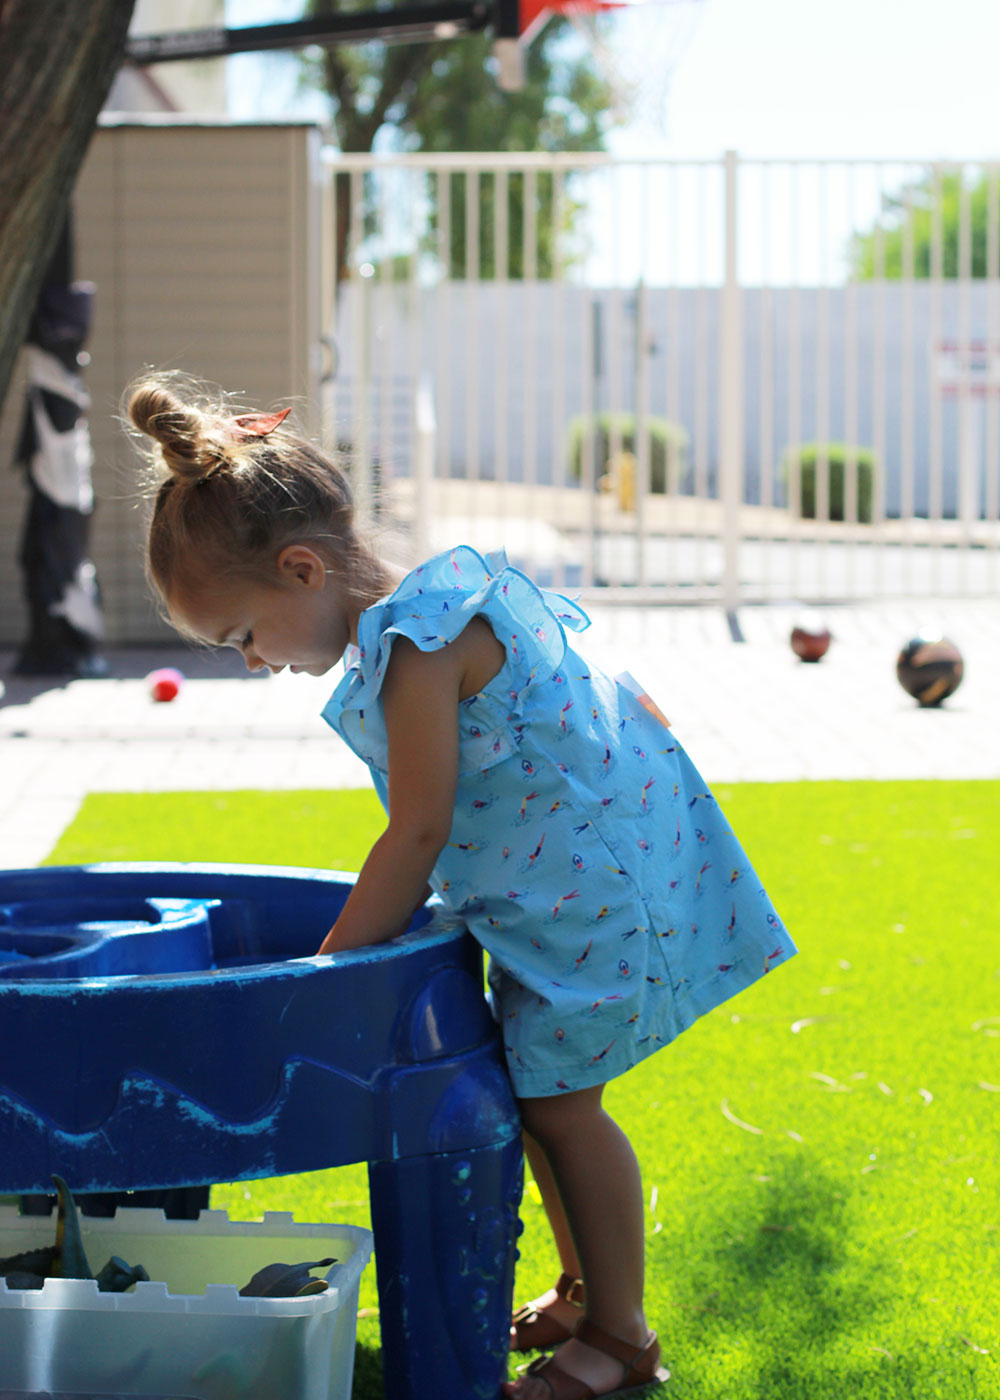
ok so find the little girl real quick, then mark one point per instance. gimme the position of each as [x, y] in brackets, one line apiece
[549, 806]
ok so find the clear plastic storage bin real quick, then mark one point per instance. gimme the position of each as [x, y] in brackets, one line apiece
[187, 1333]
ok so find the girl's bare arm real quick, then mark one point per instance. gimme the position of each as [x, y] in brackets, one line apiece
[420, 698]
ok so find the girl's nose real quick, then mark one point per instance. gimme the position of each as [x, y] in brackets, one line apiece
[253, 661]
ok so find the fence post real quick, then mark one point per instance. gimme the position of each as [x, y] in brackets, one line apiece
[425, 432]
[731, 460]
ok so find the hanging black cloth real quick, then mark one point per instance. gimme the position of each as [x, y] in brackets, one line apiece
[65, 623]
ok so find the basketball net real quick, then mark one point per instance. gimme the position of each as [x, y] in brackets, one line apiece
[637, 46]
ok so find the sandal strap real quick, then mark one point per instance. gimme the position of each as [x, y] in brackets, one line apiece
[560, 1384]
[571, 1289]
[534, 1328]
[640, 1362]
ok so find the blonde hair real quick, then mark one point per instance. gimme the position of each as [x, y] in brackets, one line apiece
[226, 503]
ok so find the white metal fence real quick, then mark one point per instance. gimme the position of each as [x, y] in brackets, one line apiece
[613, 369]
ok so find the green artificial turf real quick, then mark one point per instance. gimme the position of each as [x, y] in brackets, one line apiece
[819, 1155]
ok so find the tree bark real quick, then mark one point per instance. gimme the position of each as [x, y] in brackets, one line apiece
[59, 61]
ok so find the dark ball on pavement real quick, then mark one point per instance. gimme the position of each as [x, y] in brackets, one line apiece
[930, 669]
[810, 638]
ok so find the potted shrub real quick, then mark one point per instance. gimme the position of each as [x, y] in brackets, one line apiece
[806, 460]
[616, 432]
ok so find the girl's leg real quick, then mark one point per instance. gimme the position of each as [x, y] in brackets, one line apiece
[597, 1176]
[550, 1303]
[552, 1204]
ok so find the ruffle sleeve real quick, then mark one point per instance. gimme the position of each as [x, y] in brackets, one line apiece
[431, 607]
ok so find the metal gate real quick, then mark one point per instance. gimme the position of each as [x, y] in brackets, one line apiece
[730, 380]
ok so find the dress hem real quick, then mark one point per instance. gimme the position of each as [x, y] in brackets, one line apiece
[540, 1084]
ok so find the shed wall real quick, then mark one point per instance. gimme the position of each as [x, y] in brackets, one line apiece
[204, 242]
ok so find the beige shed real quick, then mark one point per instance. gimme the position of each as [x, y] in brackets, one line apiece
[206, 244]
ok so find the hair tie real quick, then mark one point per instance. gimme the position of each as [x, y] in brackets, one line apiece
[253, 425]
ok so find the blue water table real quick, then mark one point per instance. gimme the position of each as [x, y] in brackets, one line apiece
[169, 1025]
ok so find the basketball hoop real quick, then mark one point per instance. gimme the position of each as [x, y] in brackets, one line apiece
[637, 45]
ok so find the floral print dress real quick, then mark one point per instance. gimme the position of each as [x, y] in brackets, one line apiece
[587, 855]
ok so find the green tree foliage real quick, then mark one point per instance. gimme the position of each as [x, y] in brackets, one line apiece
[442, 97]
[902, 243]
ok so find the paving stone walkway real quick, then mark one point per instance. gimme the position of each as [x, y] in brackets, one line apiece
[746, 710]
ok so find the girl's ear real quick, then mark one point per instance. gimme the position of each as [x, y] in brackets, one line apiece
[297, 563]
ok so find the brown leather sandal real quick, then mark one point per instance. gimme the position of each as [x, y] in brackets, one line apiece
[641, 1366]
[532, 1330]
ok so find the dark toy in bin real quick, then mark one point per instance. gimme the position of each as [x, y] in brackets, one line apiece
[190, 1035]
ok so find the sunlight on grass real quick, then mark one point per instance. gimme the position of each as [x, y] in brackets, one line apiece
[819, 1155]
[328, 830]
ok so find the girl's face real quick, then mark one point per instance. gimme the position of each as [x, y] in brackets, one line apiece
[303, 620]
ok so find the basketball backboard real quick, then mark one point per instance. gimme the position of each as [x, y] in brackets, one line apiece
[512, 23]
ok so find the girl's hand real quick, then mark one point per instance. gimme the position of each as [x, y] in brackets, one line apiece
[332, 942]
[420, 702]
[420, 697]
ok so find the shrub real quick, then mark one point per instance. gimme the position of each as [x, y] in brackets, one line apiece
[668, 443]
[837, 455]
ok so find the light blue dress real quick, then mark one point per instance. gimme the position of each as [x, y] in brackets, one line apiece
[587, 855]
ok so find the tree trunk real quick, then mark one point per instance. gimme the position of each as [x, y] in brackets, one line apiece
[59, 60]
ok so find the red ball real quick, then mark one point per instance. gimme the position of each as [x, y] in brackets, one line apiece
[165, 684]
[810, 639]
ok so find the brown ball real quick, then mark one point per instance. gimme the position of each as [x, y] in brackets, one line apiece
[930, 669]
[810, 639]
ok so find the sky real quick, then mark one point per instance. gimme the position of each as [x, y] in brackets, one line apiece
[872, 78]
[779, 80]
[771, 78]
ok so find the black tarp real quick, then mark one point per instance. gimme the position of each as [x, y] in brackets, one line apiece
[65, 624]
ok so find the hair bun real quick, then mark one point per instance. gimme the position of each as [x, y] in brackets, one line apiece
[189, 449]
